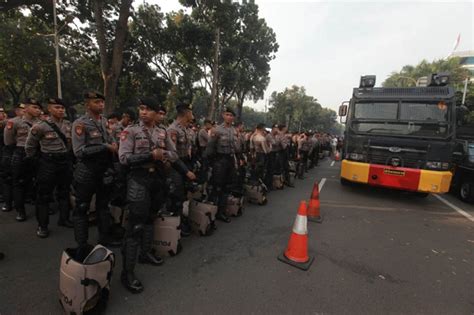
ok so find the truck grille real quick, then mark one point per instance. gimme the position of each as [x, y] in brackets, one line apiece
[410, 158]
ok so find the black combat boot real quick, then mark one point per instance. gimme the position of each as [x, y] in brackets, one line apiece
[147, 254]
[20, 215]
[81, 229]
[221, 216]
[185, 227]
[42, 232]
[128, 278]
[63, 206]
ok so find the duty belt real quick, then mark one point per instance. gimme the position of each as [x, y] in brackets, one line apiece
[56, 156]
[226, 155]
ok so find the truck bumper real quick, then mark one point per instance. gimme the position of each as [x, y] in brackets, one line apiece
[396, 177]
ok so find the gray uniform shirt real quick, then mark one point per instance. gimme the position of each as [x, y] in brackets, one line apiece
[203, 138]
[88, 132]
[138, 139]
[42, 137]
[17, 130]
[259, 143]
[223, 140]
[180, 137]
[276, 145]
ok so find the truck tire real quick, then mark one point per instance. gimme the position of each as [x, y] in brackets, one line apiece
[345, 182]
[466, 191]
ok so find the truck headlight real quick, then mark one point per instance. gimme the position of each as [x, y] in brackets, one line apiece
[437, 166]
[357, 156]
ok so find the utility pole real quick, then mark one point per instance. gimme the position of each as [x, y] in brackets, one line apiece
[56, 48]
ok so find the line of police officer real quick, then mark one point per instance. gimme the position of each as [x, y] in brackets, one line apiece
[157, 163]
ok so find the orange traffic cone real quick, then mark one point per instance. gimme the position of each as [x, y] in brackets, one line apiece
[296, 254]
[337, 156]
[314, 213]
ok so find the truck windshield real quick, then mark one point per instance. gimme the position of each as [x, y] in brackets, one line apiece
[402, 118]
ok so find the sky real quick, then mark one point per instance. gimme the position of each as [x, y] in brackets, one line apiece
[326, 46]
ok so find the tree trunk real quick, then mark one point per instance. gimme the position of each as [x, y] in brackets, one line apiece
[240, 105]
[215, 76]
[110, 93]
[111, 66]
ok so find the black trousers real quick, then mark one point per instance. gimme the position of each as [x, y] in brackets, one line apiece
[223, 174]
[54, 172]
[283, 158]
[7, 176]
[259, 166]
[89, 180]
[270, 169]
[145, 196]
[22, 177]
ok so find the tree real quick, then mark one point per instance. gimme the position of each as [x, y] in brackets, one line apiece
[26, 59]
[300, 111]
[409, 74]
[255, 46]
[111, 58]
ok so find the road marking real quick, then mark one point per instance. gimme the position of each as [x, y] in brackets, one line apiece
[332, 163]
[459, 210]
[321, 184]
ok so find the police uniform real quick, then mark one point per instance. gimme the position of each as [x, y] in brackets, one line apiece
[304, 147]
[270, 165]
[222, 149]
[203, 139]
[284, 157]
[179, 135]
[6, 171]
[240, 151]
[3, 123]
[259, 146]
[50, 141]
[90, 141]
[145, 191]
[16, 132]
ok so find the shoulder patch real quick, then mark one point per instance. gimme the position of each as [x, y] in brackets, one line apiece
[79, 129]
[123, 135]
[9, 124]
[173, 135]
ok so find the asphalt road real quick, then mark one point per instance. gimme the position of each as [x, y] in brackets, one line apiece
[377, 252]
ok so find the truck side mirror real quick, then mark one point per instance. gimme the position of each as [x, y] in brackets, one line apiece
[343, 110]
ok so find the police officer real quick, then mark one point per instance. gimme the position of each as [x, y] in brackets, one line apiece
[221, 148]
[50, 139]
[128, 118]
[16, 133]
[203, 135]
[240, 151]
[284, 154]
[182, 168]
[144, 148]
[3, 122]
[7, 152]
[260, 149]
[93, 148]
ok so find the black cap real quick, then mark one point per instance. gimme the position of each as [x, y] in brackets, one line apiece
[149, 102]
[94, 95]
[161, 108]
[229, 110]
[130, 114]
[274, 126]
[261, 126]
[31, 101]
[181, 107]
[55, 101]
